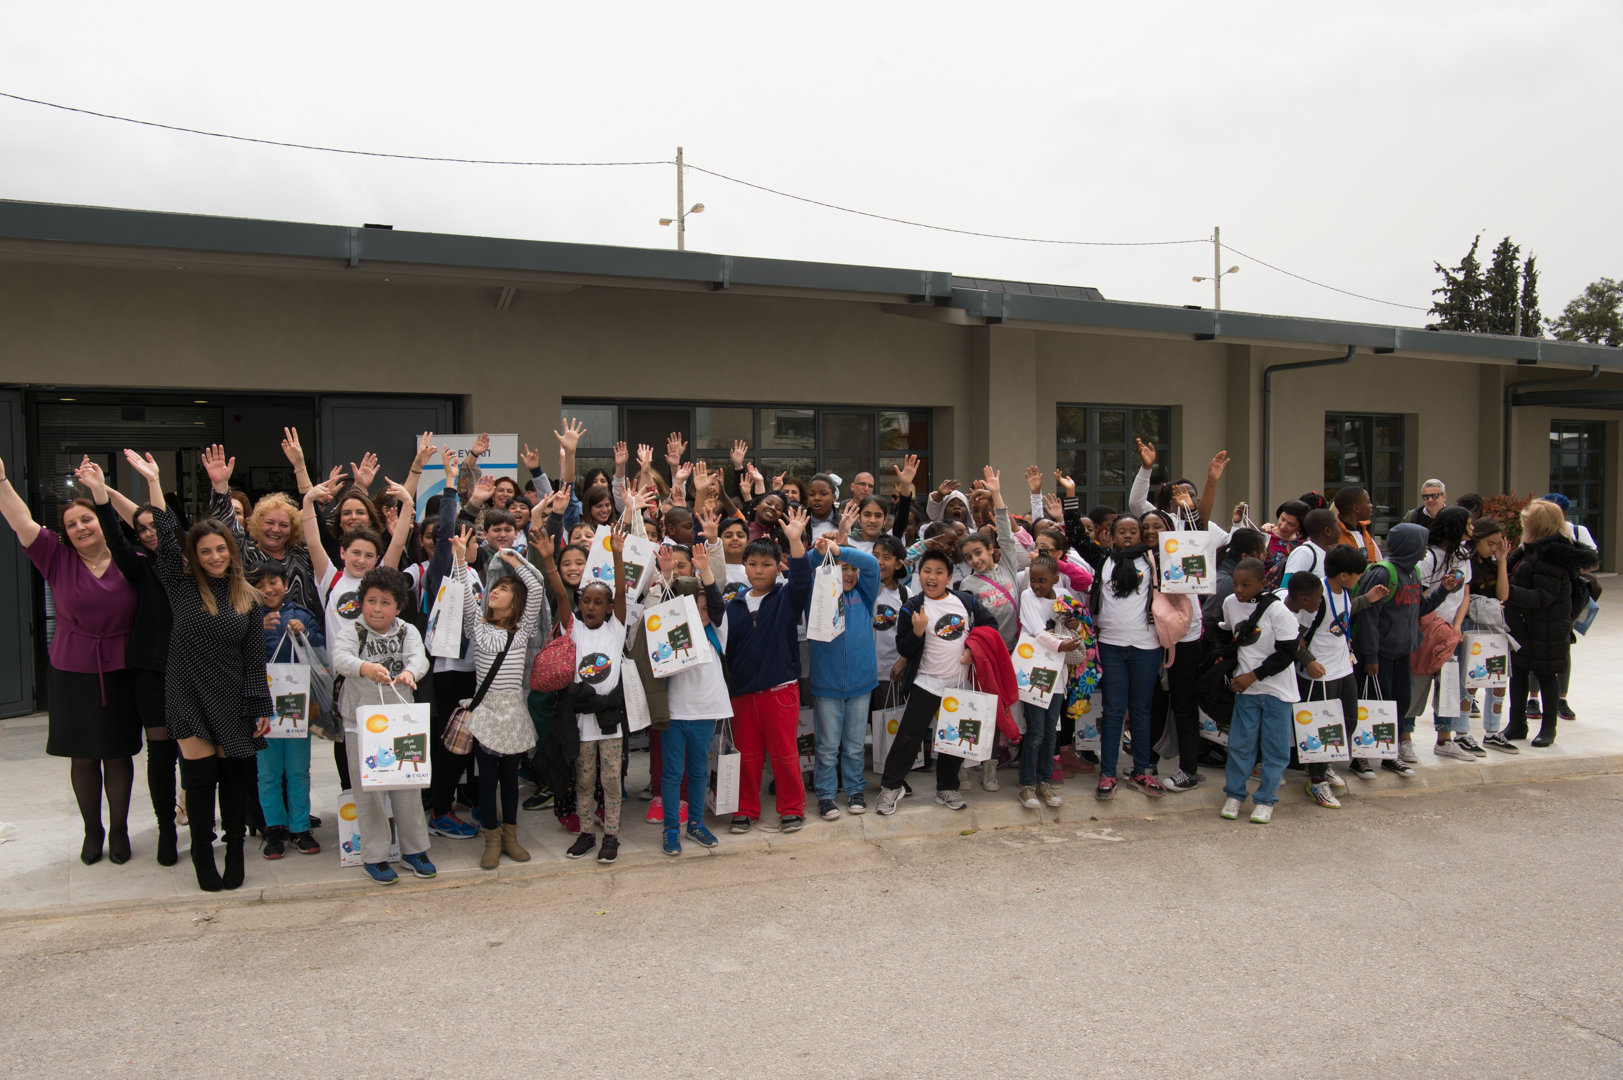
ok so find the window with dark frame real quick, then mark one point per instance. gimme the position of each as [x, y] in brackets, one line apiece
[1097, 448]
[1578, 470]
[1366, 450]
[797, 440]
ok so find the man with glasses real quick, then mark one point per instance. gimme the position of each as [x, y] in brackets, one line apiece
[1433, 497]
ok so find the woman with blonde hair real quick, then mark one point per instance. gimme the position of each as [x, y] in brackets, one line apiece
[216, 699]
[1545, 572]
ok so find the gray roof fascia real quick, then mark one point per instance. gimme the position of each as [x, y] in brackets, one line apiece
[196, 232]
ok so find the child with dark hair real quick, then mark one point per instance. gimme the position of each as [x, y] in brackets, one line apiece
[284, 764]
[1266, 639]
[1039, 619]
[1321, 531]
[1447, 555]
[1242, 544]
[1329, 675]
[1472, 503]
[844, 674]
[1287, 536]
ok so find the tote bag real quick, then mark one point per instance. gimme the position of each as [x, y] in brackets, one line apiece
[1487, 661]
[966, 724]
[638, 556]
[726, 770]
[1319, 729]
[884, 723]
[393, 744]
[1188, 562]
[675, 638]
[825, 620]
[1040, 673]
[1377, 736]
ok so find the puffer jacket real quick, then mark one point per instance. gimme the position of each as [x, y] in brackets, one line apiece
[1543, 600]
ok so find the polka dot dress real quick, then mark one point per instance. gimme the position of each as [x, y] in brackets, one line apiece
[214, 687]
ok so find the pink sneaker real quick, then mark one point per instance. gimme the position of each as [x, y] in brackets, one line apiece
[656, 812]
[570, 823]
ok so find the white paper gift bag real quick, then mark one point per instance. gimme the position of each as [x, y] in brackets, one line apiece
[289, 686]
[966, 724]
[726, 770]
[1211, 732]
[825, 620]
[444, 637]
[884, 723]
[394, 744]
[1487, 661]
[1038, 672]
[1188, 562]
[1319, 731]
[675, 638]
[806, 741]
[349, 831]
[638, 556]
[1377, 736]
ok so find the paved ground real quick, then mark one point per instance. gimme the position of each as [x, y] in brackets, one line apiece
[1461, 933]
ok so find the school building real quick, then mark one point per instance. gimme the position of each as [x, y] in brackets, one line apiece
[167, 332]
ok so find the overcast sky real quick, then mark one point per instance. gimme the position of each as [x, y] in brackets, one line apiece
[1350, 143]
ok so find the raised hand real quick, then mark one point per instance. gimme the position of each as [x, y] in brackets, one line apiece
[448, 463]
[701, 477]
[680, 474]
[1146, 453]
[827, 546]
[675, 447]
[482, 491]
[795, 522]
[425, 450]
[777, 481]
[1053, 508]
[621, 456]
[145, 465]
[407, 504]
[740, 448]
[757, 481]
[617, 541]
[219, 467]
[1034, 479]
[509, 556]
[645, 456]
[573, 430]
[481, 445]
[291, 448]
[1066, 484]
[531, 458]
[993, 481]
[848, 517]
[701, 556]
[90, 475]
[710, 523]
[921, 624]
[366, 471]
[908, 470]
[945, 488]
[540, 542]
[464, 543]
[1220, 461]
[666, 558]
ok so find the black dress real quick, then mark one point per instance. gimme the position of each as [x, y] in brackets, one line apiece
[215, 686]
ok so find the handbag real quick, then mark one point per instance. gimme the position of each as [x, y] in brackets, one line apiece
[458, 737]
[554, 666]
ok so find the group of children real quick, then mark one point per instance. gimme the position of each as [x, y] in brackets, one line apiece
[552, 675]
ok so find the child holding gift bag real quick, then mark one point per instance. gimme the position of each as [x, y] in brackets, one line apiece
[284, 764]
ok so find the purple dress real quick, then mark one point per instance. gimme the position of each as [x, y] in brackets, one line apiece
[92, 702]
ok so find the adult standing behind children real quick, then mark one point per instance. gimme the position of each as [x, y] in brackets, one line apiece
[1540, 612]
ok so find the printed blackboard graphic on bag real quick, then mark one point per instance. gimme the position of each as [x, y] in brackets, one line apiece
[411, 750]
[290, 708]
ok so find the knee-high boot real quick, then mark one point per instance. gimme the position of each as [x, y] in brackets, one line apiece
[200, 777]
[239, 778]
[161, 755]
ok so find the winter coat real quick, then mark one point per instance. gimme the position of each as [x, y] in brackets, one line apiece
[1544, 600]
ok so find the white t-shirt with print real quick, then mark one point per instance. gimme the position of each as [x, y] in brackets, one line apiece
[598, 654]
[941, 665]
[1121, 620]
[886, 610]
[340, 600]
[1277, 624]
[1433, 568]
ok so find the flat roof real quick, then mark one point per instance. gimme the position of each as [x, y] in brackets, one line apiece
[986, 300]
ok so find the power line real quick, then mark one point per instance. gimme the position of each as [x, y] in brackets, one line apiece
[1320, 284]
[323, 149]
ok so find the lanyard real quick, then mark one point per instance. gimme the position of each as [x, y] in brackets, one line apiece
[1342, 618]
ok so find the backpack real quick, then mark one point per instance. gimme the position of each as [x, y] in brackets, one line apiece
[1392, 586]
[1212, 691]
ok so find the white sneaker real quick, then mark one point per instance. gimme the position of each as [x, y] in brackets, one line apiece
[1323, 795]
[989, 775]
[1333, 779]
[888, 798]
[1452, 749]
[1231, 809]
[1262, 813]
[1406, 751]
[950, 799]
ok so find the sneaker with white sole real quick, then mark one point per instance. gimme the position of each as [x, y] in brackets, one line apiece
[1028, 797]
[950, 799]
[1231, 810]
[1051, 798]
[1182, 781]
[1407, 752]
[1323, 794]
[1362, 769]
[1452, 749]
[1334, 779]
[1397, 765]
[1495, 740]
[1262, 813]
[989, 775]
[888, 798]
[827, 810]
[1465, 742]
[856, 804]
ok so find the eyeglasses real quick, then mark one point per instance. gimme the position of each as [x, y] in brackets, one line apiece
[1428, 496]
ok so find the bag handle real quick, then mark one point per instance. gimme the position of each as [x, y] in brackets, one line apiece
[282, 641]
[1369, 683]
[397, 693]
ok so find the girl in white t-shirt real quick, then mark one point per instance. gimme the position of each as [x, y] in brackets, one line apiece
[698, 699]
[1129, 654]
[1447, 553]
[600, 644]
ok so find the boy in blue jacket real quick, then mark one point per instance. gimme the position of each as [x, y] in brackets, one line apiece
[763, 661]
[844, 674]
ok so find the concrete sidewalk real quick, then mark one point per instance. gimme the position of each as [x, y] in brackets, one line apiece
[40, 872]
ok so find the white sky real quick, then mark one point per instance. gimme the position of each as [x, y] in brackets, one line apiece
[1350, 143]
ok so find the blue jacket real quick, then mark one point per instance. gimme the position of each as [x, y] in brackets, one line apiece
[848, 666]
[763, 649]
[911, 647]
[289, 611]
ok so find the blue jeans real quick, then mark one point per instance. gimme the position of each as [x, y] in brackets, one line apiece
[1127, 682]
[287, 759]
[1261, 727]
[1037, 746]
[685, 747]
[839, 725]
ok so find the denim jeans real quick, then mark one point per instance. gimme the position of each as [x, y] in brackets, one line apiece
[685, 749]
[839, 725]
[1037, 746]
[1260, 729]
[1127, 682]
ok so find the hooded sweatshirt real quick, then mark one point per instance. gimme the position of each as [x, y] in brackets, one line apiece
[399, 648]
[848, 666]
[1391, 628]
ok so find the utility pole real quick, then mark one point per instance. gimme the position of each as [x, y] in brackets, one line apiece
[1217, 253]
[681, 207]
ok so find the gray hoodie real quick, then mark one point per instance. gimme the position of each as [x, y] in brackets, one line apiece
[1391, 628]
[400, 648]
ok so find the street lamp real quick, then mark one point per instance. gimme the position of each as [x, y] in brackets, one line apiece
[681, 218]
[1216, 277]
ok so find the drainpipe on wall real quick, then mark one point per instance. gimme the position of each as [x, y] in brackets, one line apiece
[1511, 391]
[1268, 412]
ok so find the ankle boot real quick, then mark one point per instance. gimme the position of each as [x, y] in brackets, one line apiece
[199, 778]
[510, 845]
[161, 785]
[237, 777]
[493, 850]
[1546, 733]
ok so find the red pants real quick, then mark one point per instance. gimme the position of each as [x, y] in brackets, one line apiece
[765, 724]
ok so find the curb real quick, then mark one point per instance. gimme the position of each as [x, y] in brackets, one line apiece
[917, 818]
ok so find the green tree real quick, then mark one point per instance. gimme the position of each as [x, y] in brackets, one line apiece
[1532, 319]
[1461, 294]
[1500, 302]
[1595, 315]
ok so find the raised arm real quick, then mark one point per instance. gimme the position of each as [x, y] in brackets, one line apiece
[1008, 548]
[295, 457]
[129, 563]
[617, 544]
[542, 548]
[402, 523]
[568, 443]
[1214, 474]
[1138, 496]
[470, 595]
[16, 512]
[308, 520]
[425, 454]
